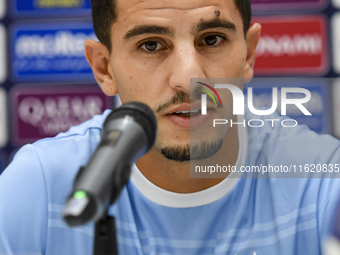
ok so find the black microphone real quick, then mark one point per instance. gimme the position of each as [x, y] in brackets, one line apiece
[128, 133]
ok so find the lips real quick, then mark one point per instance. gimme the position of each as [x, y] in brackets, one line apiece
[191, 113]
[187, 116]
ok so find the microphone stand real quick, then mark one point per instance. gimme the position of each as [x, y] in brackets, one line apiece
[105, 240]
[92, 191]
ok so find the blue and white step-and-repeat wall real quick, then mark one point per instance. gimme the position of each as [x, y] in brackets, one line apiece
[46, 85]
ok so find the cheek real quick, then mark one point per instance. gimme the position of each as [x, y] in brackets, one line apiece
[135, 84]
[139, 78]
[230, 64]
[129, 80]
[129, 90]
[226, 69]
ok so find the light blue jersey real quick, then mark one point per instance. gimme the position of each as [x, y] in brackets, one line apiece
[242, 216]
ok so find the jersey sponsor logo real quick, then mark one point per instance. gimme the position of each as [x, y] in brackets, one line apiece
[3, 118]
[317, 105]
[40, 112]
[292, 45]
[50, 51]
[48, 8]
[3, 60]
[290, 5]
[336, 42]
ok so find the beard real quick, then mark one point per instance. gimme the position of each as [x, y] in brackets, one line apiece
[193, 152]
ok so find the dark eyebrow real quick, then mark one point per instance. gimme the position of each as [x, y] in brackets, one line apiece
[215, 23]
[146, 29]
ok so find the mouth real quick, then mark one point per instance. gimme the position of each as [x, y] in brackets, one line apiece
[188, 114]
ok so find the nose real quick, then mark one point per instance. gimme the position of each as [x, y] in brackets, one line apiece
[184, 65]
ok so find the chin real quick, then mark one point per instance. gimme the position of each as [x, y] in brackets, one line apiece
[197, 151]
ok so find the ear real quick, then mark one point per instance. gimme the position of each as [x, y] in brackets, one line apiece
[98, 57]
[252, 37]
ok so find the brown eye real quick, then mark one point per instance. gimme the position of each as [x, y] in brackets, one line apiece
[151, 46]
[210, 40]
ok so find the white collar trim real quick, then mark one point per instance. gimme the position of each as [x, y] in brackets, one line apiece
[179, 200]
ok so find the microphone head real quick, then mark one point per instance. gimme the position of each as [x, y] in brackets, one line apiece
[142, 114]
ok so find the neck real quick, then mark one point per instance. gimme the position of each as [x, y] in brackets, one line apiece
[175, 176]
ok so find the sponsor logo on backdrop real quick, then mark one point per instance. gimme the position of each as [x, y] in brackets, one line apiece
[48, 8]
[53, 51]
[45, 111]
[3, 54]
[290, 5]
[292, 45]
[3, 118]
[336, 42]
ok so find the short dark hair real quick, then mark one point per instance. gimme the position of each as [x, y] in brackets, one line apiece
[104, 15]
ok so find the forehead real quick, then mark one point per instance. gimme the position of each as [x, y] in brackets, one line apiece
[129, 10]
[173, 4]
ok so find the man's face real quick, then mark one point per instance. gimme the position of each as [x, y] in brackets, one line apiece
[157, 46]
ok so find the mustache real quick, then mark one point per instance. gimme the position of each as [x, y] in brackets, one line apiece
[182, 97]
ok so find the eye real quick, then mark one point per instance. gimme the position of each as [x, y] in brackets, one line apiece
[152, 46]
[212, 40]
